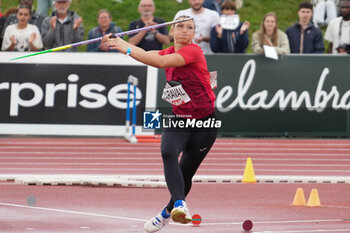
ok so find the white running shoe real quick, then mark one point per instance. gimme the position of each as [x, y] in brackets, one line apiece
[156, 223]
[181, 214]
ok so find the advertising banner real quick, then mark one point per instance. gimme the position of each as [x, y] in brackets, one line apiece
[68, 99]
[293, 96]
[85, 94]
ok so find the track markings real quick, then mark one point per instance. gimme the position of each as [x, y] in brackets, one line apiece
[142, 148]
[72, 212]
[306, 231]
[203, 224]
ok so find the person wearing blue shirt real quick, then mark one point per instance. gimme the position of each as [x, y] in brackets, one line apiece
[303, 36]
[227, 40]
[104, 19]
[213, 5]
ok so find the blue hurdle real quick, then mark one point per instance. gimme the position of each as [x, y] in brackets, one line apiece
[130, 134]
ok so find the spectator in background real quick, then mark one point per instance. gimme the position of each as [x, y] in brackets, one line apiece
[104, 19]
[204, 19]
[338, 30]
[303, 36]
[152, 39]
[270, 35]
[239, 3]
[22, 36]
[10, 11]
[35, 19]
[226, 40]
[43, 6]
[324, 11]
[63, 27]
[343, 49]
[214, 5]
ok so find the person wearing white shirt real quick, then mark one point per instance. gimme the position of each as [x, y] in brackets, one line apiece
[338, 30]
[324, 11]
[204, 19]
[22, 36]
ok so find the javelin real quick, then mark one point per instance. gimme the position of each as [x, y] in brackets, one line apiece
[100, 38]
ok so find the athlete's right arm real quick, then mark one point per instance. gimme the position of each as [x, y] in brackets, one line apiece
[151, 58]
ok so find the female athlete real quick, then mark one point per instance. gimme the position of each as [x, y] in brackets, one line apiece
[184, 63]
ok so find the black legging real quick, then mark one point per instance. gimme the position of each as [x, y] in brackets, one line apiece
[194, 145]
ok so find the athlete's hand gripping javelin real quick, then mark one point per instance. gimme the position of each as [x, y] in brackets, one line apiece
[183, 35]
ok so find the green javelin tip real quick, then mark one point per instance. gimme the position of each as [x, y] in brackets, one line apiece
[33, 54]
[45, 51]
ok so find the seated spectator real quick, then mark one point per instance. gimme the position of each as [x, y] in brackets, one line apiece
[324, 11]
[153, 39]
[35, 19]
[270, 35]
[22, 36]
[227, 40]
[43, 6]
[63, 27]
[104, 19]
[303, 36]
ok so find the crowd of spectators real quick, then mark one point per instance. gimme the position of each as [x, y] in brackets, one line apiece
[219, 29]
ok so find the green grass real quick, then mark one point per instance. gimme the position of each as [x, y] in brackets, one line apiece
[124, 13]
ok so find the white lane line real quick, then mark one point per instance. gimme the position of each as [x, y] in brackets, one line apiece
[306, 231]
[339, 207]
[211, 153]
[280, 222]
[218, 142]
[203, 224]
[160, 163]
[73, 212]
[160, 170]
[133, 148]
[345, 143]
[31, 158]
[280, 149]
[119, 142]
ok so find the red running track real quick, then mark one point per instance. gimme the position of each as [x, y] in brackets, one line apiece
[223, 207]
[227, 157]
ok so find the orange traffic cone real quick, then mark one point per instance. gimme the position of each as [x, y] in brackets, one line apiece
[314, 199]
[249, 176]
[299, 198]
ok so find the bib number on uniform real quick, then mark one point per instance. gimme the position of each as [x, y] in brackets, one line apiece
[175, 95]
